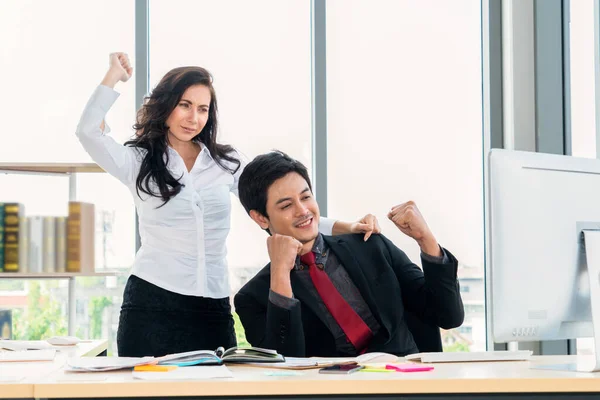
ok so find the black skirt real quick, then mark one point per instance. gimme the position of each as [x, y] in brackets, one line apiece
[155, 321]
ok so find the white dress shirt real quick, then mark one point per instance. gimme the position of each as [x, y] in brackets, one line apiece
[183, 242]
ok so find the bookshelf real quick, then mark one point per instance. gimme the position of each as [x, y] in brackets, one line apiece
[61, 169]
[50, 168]
[55, 275]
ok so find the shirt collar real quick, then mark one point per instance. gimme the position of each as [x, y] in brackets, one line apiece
[320, 250]
[319, 245]
[204, 153]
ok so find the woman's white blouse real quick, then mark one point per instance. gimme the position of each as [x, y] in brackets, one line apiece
[183, 242]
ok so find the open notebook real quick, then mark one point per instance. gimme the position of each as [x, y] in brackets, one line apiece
[197, 357]
[220, 356]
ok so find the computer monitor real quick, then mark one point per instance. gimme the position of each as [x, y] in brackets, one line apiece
[540, 205]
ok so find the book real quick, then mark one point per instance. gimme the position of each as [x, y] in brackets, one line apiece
[13, 212]
[23, 245]
[1, 237]
[49, 244]
[35, 256]
[80, 237]
[222, 356]
[5, 324]
[61, 244]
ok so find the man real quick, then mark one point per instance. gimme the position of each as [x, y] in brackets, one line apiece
[336, 296]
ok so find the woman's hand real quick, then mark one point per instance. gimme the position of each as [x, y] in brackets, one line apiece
[367, 225]
[120, 69]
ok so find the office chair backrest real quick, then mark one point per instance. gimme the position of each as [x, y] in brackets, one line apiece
[427, 337]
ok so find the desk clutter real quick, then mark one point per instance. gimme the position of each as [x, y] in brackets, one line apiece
[35, 350]
[208, 364]
[399, 377]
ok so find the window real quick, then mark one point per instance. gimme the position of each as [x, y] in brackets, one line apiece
[404, 120]
[404, 95]
[583, 99]
[55, 61]
[259, 56]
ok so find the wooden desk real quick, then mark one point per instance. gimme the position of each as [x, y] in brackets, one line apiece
[501, 380]
[25, 374]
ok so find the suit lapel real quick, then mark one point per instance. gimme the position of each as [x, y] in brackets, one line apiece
[347, 258]
[306, 298]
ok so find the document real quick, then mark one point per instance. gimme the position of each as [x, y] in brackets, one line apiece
[27, 355]
[299, 363]
[471, 356]
[186, 373]
[99, 364]
[25, 345]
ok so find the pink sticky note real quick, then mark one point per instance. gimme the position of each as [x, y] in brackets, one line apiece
[409, 367]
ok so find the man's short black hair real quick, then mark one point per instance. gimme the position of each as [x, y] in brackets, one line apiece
[260, 174]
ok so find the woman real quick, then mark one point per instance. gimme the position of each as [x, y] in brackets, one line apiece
[177, 298]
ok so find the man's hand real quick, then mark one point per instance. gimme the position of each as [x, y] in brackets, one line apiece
[367, 225]
[282, 252]
[409, 220]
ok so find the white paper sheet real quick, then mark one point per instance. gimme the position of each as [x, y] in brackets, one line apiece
[99, 364]
[186, 373]
[27, 355]
[25, 344]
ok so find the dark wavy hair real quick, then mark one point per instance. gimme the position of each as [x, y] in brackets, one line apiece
[259, 175]
[151, 132]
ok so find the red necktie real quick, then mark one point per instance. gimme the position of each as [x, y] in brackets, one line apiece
[351, 323]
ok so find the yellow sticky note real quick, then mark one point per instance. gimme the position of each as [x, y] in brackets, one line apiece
[154, 368]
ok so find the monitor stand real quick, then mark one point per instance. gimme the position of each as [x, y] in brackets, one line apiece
[591, 239]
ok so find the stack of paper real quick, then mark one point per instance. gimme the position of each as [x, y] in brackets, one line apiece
[472, 356]
[99, 364]
[24, 345]
[316, 362]
[187, 373]
[27, 355]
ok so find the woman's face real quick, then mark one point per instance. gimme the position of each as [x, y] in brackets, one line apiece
[190, 115]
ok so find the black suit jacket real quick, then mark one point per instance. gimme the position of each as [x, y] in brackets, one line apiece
[389, 283]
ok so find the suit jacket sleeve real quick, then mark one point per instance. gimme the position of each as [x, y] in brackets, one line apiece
[432, 294]
[270, 326]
